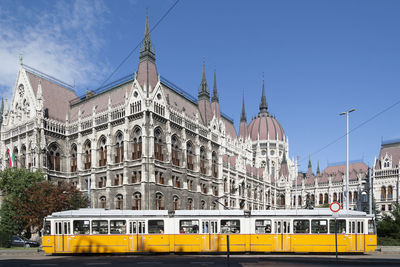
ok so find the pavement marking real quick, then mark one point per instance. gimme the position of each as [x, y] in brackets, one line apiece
[98, 263]
[203, 262]
[149, 262]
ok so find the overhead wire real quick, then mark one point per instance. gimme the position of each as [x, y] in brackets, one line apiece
[136, 47]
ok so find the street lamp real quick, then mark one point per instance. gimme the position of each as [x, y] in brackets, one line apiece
[347, 156]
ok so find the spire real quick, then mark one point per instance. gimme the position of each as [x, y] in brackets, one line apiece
[309, 161]
[243, 115]
[284, 157]
[147, 51]
[263, 104]
[204, 92]
[318, 172]
[215, 92]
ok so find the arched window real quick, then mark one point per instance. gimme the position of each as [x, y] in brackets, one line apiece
[312, 199]
[214, 165]
[214, 205]
[137, 201]
[190, 204]
[159, 201]
[23, 156]
[54, 157]
[74, 161]
[282, 200]
[88, 154]
[341, 197]
[355, 196]
[102, 152]
[203, 205]
[226, 185]
[350, 197]
[326, 198]
[119, 148]
[175, 203]
[103, 202]
[335, 197]
[321, 199]
[390, 192]
[137, 143]
[175, 150]
[299, 201]
[119, 199]
[383, 193]
[158, 145]
[203, 161]
[189, 155]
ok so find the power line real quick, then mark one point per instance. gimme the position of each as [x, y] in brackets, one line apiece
[357, 127]
[134, 49]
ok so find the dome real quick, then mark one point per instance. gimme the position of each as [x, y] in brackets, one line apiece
[267, 127]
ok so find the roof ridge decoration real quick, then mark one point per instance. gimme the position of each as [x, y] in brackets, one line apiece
[147, 51]
[204, 92]
[215, 97]
[263, 104]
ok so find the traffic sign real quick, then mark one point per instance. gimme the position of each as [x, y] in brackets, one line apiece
[335, 206]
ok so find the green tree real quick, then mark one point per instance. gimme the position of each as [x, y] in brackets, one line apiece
[13, 183]
[389, 227]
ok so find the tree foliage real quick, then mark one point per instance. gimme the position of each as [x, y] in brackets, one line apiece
[44, 198]
[389, 226]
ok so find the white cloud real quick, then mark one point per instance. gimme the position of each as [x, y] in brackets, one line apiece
[61, 40]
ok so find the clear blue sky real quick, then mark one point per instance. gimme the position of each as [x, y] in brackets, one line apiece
[319, 58]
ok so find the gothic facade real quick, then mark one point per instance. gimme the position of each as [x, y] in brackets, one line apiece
[143, 143]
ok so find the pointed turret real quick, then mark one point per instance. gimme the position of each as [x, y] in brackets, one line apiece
[263, 104]
[309, 171]
[147, 75]
[204, 92]
[284, 171]
[318, 172]
[215, 99]
[243, 122]
[205, 109]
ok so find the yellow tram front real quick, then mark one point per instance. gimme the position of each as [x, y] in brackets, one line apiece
[181, 231]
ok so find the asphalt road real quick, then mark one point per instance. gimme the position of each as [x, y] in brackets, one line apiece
[38, 259]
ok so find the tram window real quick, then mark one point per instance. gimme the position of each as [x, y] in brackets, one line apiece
[263, 226]
[230, 226]
[371, 227]
[156, 227]
[99, 227]
[341, 226]
[319, 226]
[47, 228]
[301, 226]
[118, 227]
[189, 226]
[81, 227]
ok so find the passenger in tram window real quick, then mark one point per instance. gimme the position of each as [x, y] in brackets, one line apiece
[181, 231]
[268, 229]
[161, 231]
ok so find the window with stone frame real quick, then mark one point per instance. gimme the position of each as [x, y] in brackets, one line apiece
[390, 192]
[326, 198]
[321, 199]
[74, 161]
[158, 145]
[190, 204]
[190, 184]
[102, 152]
[204, 189]
[355, 196]
[383, 193]
[203, 161]
[16, 157]
[119, 148]
[54, 157]
[103, 202]
[102, 182]
[175, 152]
[23, 157]
[176, 181]
[189, 156]
[159, 176]
[137, 144]
[136, 177]
[87, 150]
[203, 205]
[118, 178]
[119, 200]
[214, 164]
[175, 203]
[159, 201]
[137, 201]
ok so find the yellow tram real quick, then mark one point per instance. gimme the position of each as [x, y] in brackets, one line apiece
[129, 231]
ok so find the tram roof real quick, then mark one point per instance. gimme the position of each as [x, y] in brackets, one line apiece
[181, 213]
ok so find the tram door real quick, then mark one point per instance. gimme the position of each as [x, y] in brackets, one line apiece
[137, 229]
[282, 235]
[62, 236]
[209, 229]
[356, 235]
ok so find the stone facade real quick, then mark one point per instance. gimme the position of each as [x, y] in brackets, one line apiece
[143, 143]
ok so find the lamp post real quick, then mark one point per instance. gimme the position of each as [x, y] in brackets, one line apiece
[347, 156]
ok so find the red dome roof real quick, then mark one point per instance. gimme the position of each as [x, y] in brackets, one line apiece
[263, 125]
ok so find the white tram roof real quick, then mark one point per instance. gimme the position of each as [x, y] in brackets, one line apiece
[199, 213]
